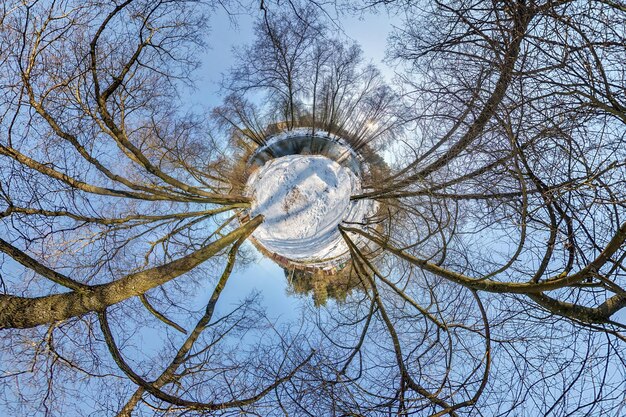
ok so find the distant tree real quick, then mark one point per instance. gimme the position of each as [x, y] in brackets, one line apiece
[323, 286]
[308, 78]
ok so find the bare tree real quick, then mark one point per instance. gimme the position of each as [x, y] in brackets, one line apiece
[309, 79]
[110, 194]
[511, 182]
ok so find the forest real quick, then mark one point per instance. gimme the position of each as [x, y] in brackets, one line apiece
[453, 232]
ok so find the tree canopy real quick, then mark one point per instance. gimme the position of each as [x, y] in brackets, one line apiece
[497, 155]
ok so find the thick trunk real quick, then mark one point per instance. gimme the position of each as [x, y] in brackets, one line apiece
[22, 312]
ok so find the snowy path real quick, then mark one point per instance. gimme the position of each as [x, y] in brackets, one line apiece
[303, 199]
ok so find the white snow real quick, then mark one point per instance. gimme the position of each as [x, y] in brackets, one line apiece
[303, 199]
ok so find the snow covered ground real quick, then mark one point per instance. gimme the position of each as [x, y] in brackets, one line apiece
[303, 199]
